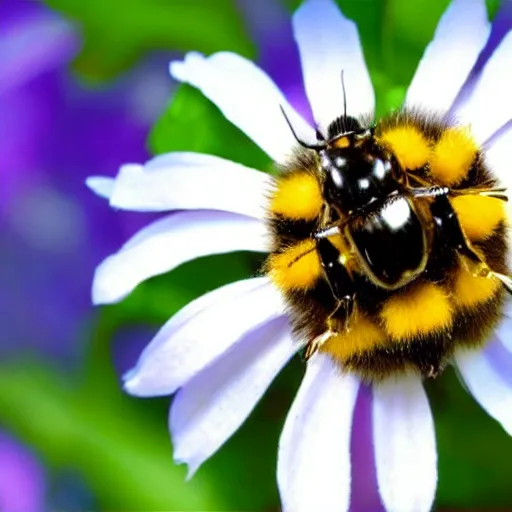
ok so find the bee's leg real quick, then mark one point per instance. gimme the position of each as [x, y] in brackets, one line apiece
[331, 230]
[448, 225]
[316, 343]
[426, 190]
[496, 192]
[342, 288]
[330, 227]
[446, 221]
[432, 191]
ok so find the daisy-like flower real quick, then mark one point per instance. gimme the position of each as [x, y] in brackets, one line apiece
[221, 352]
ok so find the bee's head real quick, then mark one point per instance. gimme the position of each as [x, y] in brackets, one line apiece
[356, 173]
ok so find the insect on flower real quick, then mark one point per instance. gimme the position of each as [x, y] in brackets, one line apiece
[379, 218]
[388, 256]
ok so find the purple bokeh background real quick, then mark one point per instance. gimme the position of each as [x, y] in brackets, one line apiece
[54, 132]
[22, 478]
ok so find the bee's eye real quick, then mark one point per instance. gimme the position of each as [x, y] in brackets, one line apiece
[335, 178]
[334, 184]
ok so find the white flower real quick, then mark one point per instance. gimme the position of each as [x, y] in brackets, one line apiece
[222, 351]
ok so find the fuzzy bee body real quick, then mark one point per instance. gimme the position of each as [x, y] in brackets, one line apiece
[389, 244]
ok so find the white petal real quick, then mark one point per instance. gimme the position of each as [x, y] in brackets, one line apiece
[504, 331]
[167, 243]
[201, 332]
[188, 181]
[405, 445]
[490, 390]
[313, 468]
[247, 97]
[329, 44]
[497, 157]
[460, 36]
[101, 185]
[211, 407]
[490, 105]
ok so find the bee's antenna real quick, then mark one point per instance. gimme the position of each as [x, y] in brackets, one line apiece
[316, 147]
[344, 99]
[320, 135]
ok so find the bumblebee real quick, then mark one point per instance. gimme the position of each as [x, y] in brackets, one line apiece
[389, 243]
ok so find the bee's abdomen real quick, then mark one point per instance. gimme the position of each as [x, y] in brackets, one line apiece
[392, 244]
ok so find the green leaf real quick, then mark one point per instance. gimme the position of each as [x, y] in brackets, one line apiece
[124, 456]
[492, 7]
[117, 34]
[474, 452]
[193, 123]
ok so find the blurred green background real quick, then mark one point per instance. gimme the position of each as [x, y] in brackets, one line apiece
[84, 96]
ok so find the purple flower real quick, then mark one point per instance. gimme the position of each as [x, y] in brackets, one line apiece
[54, 132]
[221, 352]
[22, 479]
